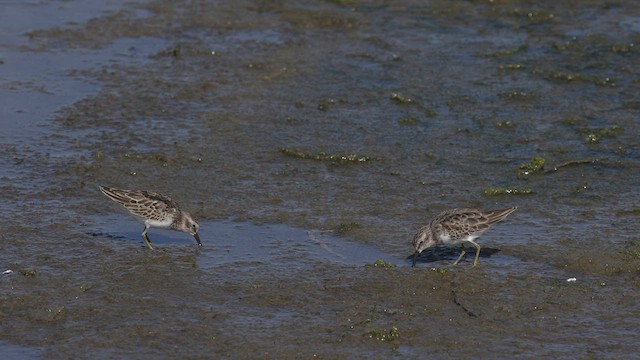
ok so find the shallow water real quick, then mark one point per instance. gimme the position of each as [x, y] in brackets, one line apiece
[241, 111]
[230, 242]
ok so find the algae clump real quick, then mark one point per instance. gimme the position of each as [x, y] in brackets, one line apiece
[381, 264]
[497, 191]
[323, 156]
[385, 335]
[536, 165]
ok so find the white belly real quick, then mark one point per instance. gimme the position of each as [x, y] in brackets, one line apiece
[164, 224]
[446, 239]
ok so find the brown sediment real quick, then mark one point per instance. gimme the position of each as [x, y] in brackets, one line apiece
[194, 99]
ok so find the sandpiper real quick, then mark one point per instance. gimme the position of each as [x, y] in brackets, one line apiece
[457, 226]
[154, 210]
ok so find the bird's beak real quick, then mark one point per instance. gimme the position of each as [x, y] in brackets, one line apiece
[197, 239]
[415, 258]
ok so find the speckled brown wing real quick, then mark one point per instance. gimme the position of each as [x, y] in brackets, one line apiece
[145, 204]
[460, 223]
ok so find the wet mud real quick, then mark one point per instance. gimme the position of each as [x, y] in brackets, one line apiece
[311, 140]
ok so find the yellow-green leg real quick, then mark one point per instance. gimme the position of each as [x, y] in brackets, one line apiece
[146, 238]
[475, 262]
[460, 257]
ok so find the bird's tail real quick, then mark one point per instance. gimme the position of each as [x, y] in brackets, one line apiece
[114, 194]
[495, 216]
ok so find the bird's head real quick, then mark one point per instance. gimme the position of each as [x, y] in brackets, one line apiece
[422, 240]
[190, 226]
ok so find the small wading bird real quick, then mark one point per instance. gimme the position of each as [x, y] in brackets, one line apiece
[457, 226]
[154, 210]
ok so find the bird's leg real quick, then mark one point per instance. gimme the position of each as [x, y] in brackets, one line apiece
[146, 238]
[461, 255]
[475, 262]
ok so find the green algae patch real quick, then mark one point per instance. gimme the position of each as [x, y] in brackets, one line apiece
[579, 286]
[315, 19]
[630, 255]
[511, 67]
[160, 157]
[153, 157]
[632, 105]
[505, 125]
[323, 156]
[635, 211]
[577, 77]
[342, 2]
[536, 165]
[572, 121]
[405, 100]
[324, 104]
[593, 135]
[429, 112]
[623, 48]
[409, 121]
[508, 52]
[347, 227]
[384, 335]
[85, 168]
[401, 99]
[440, 270]
[327, 103]
[534, 16]
[499, 191]
[29, 272]
[518, 95]
[566, 46]
[381, 264]
[132, 156]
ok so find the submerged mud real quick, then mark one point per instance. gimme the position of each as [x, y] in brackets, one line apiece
[311, 140]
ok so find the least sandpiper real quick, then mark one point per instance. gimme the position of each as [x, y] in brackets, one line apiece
[154, 210]
[457, 226]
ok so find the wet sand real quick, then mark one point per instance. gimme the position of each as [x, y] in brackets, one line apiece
[311, 140]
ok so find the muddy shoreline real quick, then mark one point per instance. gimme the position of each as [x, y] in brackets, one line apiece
[311, 140]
